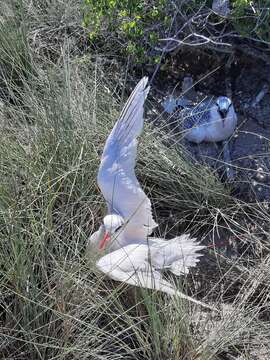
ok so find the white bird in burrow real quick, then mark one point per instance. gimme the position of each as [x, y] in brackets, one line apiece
[211, 120]
[134, 257]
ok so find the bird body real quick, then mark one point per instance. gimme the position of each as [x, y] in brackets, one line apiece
[134, 257]
[205, 123]
[175, 255]
[140, 264]
[211, 120]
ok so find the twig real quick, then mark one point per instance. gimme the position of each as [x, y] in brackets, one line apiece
[261, 95]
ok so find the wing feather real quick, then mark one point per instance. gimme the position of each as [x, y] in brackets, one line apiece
[177, 254]
[116, 176]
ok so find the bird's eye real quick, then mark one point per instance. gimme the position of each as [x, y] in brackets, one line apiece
[118, 228]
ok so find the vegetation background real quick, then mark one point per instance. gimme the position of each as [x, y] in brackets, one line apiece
[65, 69]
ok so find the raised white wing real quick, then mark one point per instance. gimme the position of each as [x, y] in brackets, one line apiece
[116, 177]
[132, 264]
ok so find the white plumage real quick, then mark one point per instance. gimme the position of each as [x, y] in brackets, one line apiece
[135, 258]
[211, 120]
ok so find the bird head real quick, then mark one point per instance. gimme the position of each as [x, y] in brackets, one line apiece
[111, 225]
[223, 104]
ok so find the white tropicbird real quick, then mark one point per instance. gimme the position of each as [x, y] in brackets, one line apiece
[211, 120]
[134, 258]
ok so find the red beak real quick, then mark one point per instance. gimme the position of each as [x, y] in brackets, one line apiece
[104, 241]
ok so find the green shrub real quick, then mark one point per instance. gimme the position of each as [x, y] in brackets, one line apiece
[134, 27]
[134, 24]
[252, 19]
